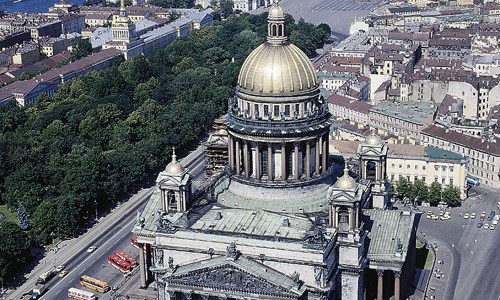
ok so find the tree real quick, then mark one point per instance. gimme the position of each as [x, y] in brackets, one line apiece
[14, 249]
[22, 217]
[451, 195]
[418, 191]
[80, 48]
[435, 193]
[403, 187]
[227, 7]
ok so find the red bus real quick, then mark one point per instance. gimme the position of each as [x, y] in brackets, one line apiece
[133, 241]
[119, 263]
[126, 258]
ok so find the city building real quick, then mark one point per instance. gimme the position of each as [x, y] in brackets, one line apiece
[417, 162]
[282, 222]
[483, 155]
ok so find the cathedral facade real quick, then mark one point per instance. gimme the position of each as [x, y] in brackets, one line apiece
[279, 224]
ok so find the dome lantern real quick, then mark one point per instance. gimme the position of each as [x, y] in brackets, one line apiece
[276, 25]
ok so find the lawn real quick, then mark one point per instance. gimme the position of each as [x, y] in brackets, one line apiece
[6, 213]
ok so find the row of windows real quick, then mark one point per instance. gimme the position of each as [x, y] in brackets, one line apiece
[258, 111]
[442, 180]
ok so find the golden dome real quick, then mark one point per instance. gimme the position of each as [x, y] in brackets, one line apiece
[277, 69]
[373, 139]
[174, 167]
[345, 182]
[276, 12]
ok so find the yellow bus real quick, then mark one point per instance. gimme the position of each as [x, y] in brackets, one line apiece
[94, 284]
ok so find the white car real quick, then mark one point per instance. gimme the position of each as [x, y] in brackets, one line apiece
[492, 227]
[60, 268]
[466, 216]
[486, 226]
[495, 222]
[91, 249]
[473, 216]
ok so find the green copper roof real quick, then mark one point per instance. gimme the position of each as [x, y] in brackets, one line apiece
[433, 152]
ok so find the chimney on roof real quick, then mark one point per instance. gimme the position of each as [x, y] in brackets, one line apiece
[286, 222]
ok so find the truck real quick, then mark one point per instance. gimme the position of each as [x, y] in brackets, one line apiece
[45, 277]
[37, 291]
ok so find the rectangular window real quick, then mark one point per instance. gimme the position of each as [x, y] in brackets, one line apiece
[400, 166]
[407, 166]
[451, 181]
[287, 110]
[436, 168]
[276, 110]
[423, 167]
[416, 167]
[442, 180]
[416, 178]
[451, 169]
[266, 110]
[392, 177]
[393, 165]
[256, 110]
[423, 178]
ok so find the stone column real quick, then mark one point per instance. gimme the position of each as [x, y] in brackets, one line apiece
[377, 171]
[356, 216]
[245, 157]
[325, 154]
[397, 285]
[270, 174]
[330, 215]
[296, 158]
[308, 160]
[237, 157]
[351, 218]
[257, 161]
[380, 286]
[142, 265]
[335, 218]
[162, 197]
[231, 153]
[283, 161]
[317, 155]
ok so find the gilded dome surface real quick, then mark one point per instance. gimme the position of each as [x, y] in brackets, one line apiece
[373, 139]
[277, 69]
[345, 182]
[174, 167]
[276, 12]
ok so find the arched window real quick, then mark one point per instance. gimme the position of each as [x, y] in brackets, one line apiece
[280, 30]
[274, 30]
[171, 201]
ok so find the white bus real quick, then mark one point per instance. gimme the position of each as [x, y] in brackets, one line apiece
[80, 295]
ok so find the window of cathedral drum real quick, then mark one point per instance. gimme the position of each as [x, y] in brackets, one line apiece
[297, 108]
[266, 110]
[276, 110]
[256, 110]
[287, 110]
[263, 161]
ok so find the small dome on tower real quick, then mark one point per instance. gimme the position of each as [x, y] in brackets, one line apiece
[276, 12]
[174, 167]
[345, 182]
[373, 139]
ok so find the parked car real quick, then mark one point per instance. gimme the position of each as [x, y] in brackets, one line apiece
[473, 216]
[492, 227]
[480, 224]
[445, 217]
[489, 218]
[91, 249]
[466, 216]
[60, 268]
[486, 226]
[62, 273]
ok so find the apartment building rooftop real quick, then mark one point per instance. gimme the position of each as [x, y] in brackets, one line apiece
[467, 141]
[414, 112]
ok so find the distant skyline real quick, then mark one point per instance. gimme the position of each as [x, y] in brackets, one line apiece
[30, 5]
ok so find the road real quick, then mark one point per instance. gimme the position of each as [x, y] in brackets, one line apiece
[109, 234]
[471, 254]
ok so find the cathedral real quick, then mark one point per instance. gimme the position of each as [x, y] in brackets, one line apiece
[279, 223]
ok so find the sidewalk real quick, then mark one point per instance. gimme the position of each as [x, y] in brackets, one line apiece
[440, 273]
[64, 251]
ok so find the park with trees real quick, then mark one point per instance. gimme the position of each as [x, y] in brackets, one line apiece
[99, 137]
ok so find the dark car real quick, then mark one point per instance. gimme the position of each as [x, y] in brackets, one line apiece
[492, 213]
[479, 225]
[490, 218]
